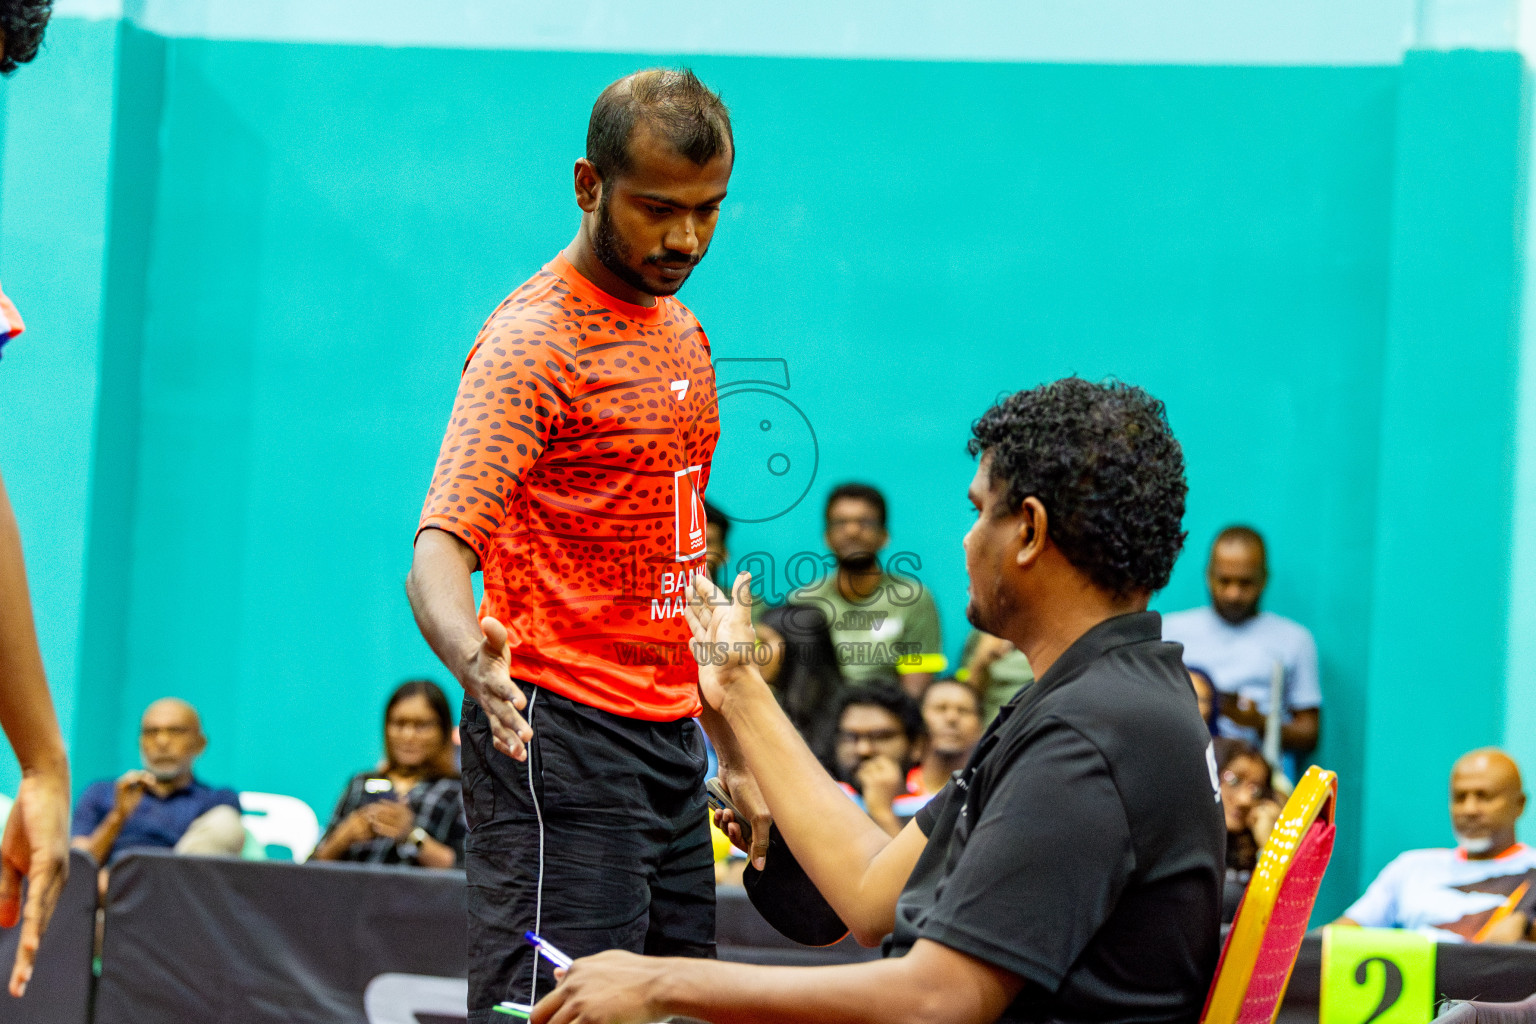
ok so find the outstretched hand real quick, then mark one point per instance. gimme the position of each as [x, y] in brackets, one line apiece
[488, 679]
[723, 638]
[35, 846]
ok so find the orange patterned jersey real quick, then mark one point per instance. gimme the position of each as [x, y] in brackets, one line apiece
[575, 466]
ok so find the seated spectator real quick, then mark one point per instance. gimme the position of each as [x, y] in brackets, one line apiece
[409, 810]
[1250, 810]
[879, 620]
[1205, 696]
[801, 667]
[879, 729]
[162, 805]
[952, 722]
[995, 669]
[1484, 890]
[1238, 646]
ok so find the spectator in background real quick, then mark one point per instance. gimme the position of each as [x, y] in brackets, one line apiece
[878, 620]
[409, 810]
[161, 805]
[1483, 890]
[952, 724]
[799, 663]
[879, 729]
[995, 669]
[1250, 810]
[717, 526]
[1238, 645]
[1205, 696]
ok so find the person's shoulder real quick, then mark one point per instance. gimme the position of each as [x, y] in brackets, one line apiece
[823, 588]
[1413, 862]
[99, 790]
[681, 316]
[541, 299]
[215, 795]
[1187, 621]
[901, 581]
[1288, 630]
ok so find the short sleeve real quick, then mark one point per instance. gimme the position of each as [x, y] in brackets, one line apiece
[1303, 689]
[1377, 906]
[90, 810]
[1012, 899]
[922, 625]
[513, 394]
[928, 815]
[225, 798]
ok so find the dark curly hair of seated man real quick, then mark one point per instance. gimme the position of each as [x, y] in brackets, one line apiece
[1104, 463]
[21, 31]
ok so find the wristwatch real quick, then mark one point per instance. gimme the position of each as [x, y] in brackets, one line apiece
[410, 846]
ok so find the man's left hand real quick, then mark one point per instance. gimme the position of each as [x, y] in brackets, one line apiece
[742, 786]
[35, 845]
[610, 988]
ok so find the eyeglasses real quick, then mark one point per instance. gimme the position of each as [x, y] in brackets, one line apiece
[852, 739]
[1234, 781]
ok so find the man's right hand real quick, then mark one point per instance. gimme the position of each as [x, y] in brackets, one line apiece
[487, 678]
[129, 790]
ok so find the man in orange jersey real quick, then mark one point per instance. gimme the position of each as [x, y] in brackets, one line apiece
[572, 477]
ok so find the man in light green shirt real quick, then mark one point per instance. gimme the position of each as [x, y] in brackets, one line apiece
[879, 621]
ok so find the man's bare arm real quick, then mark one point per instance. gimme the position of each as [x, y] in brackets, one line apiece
[932, 984]
[858, 867]
[1301, 732]
[36, 838]
[475, 651]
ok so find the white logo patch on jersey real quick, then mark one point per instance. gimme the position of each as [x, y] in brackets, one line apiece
[680, 389]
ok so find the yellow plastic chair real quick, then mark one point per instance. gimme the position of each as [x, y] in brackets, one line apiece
[1256, 962]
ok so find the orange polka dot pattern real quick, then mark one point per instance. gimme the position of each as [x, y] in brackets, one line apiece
[574, 415]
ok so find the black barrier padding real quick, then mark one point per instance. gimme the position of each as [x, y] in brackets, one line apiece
[201, 939]
[1462, 971]
[60, 991]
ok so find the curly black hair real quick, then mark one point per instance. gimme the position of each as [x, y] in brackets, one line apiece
[22, 23]
[1104, 463]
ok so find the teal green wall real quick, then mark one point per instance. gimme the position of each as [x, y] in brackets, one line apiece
[1445, 495]
[57, 137]
[291, 247]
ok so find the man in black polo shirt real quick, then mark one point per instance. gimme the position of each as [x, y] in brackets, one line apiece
[1072, 870]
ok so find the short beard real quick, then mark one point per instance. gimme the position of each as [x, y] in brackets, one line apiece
[862, 562]
[161, 775]
[1236, 615]
[612, 252]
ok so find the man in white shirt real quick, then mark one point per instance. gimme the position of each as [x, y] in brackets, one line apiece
[1484, 890]
[1238, 646]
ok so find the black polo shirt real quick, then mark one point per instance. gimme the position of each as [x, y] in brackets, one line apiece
[1082, 847]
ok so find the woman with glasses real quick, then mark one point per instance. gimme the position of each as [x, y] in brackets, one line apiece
[410, 809]
[1250, 809]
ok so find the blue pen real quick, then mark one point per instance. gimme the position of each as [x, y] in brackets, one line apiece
[547, 951]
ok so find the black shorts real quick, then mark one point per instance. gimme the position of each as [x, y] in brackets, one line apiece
[615, 828]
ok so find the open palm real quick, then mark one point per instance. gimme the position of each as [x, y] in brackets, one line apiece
[723, 638]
